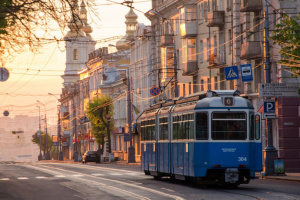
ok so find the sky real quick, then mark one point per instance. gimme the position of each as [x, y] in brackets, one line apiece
[32, 77]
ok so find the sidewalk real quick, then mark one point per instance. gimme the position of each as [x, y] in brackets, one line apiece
[287, 176]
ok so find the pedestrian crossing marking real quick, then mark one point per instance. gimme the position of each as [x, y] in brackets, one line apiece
[232, 74]
[97, 174]
[59, 176]
[115, 174]
[77, 175]
[22, 178]
[4, 179]
[41, 177]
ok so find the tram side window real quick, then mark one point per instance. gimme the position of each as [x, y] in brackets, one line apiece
[183, 127]
[201, 126]
[163, 128]
[175, 127]
[251, 130]
[257, 127]
[148, 130]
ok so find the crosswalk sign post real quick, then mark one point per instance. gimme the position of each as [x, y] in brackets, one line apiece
[231, 73]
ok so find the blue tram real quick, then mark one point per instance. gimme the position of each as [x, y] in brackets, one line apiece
[213, 137]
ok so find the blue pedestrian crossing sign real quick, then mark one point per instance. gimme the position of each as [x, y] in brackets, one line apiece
[246, 72]
[232, 73]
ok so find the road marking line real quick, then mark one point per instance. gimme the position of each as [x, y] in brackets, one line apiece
[22, 178]
[97, 174]
[59, 176]
[115, 174]
[4, 179]
[77, 175]
[41, 177]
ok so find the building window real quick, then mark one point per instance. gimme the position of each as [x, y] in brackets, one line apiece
[242, 35]
[188, 50]
[215, 45]
[201, 51]
[202, 85]
[190, 88]
[230, 42]
[208, 84]
[75, 54]
[207, 49]
[201, 17]
[216, 82]
[167, 56]
[183, 87]
[191, 13]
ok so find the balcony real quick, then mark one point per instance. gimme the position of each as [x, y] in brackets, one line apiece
[166, 40]
[188, 29]
[216, 61]
[215, 18]
[251, 5]
[251, 50]
[189, 68]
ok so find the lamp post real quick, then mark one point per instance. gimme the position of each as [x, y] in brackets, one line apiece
[152, 12]
[40, 157]
[270, 151]
[47, 155]
[131, 150]
[59, 152]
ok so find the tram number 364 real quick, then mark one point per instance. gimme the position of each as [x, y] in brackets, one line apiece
[242, 159]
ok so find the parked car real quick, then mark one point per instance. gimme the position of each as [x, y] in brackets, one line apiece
[91, 156]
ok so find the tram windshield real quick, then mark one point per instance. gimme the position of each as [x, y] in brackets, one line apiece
[229, 126]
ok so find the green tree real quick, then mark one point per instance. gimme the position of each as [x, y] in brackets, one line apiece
[52, 149]
[100, 112]
[287, 35]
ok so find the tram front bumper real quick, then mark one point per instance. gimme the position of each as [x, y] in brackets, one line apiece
[231, 175]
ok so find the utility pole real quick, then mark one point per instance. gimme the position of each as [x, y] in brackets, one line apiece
[75, 154]
[40, 157]
[131, 150]
[270, 151]
[47, 155]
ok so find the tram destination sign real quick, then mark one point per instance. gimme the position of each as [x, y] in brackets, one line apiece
[278, 90]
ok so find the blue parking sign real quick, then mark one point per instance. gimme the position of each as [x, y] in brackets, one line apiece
[269, 106]
[232, 73]
[246, 72]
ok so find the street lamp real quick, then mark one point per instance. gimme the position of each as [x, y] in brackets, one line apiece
[40, 157]
[152, 12]
[60, 154]
[131, 150]
[47, 155]
[270, 152]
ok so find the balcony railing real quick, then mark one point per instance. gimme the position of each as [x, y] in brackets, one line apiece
[216, 60]
[251, 6]
[251, 50]
[215, 18]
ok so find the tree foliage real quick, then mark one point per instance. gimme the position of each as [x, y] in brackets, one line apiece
[51, 148]
[287, 35]
[97, 112]
[32, 23]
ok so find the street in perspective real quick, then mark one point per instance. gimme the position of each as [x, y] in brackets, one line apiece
[150, 99]
[57, 180]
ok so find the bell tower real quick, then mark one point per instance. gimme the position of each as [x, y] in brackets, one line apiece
[79, 43]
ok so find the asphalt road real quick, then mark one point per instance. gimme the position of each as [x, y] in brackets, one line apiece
[40, 180]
